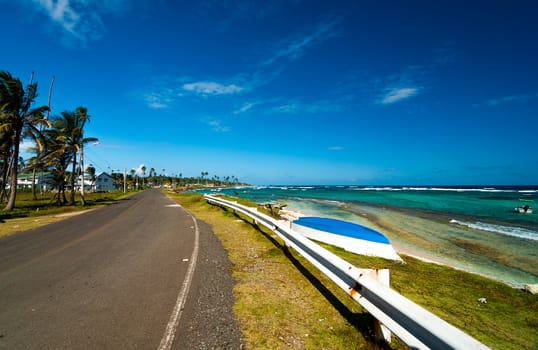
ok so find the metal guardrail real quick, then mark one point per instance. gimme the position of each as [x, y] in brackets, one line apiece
[415, 326]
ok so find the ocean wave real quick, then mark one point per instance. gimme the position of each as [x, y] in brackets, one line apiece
[377, 189]
[456, 189]
[442, 189]
[283, 188]
[504, 230]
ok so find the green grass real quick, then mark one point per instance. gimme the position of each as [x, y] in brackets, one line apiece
[29, 214]
[282, 301]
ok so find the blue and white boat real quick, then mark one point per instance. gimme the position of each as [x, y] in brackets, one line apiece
[350, 236]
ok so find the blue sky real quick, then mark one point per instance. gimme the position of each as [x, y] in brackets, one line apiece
[292, 92]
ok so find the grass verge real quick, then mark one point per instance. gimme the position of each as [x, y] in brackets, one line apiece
[282, 301]
[30, 214]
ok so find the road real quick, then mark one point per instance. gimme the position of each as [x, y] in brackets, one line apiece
[131, 275]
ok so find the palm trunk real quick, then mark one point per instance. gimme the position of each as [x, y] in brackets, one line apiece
[34, 194]
[72, 198]
[62, 198]
[14, 173]
[3, 181]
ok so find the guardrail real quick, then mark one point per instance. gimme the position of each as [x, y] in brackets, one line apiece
[415, 326]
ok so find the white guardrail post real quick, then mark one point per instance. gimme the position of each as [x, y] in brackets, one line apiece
[414, 325]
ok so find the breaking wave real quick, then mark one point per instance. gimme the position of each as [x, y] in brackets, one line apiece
[504, 230]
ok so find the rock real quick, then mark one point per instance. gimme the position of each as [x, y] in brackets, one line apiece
[531, 288]
[482, 300]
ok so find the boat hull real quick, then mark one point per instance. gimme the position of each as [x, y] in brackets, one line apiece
[523, 210]
[352, 237]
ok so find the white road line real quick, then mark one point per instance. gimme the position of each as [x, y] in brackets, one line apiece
[171, 327]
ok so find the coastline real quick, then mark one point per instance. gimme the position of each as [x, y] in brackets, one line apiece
[288, 216]
[470, 232]
[413, 249]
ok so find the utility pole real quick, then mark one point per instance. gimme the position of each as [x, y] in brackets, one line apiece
[82, 171]
[125, 181]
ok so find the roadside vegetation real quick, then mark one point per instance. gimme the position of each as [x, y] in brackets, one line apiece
[57, 163]
[58, 139]
[283, 302]
[31, 213]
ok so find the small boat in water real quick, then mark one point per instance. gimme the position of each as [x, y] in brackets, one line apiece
[524, 208]
[350, 236]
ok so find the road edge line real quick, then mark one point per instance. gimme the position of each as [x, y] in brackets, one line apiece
[170, 332]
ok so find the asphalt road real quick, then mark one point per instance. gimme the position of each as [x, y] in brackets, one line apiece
[120, 277]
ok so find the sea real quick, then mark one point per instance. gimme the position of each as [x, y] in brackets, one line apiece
[472, 228]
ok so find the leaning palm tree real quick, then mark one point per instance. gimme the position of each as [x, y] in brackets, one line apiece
[70, 127]
[5, 152]
[17, 117]
[57, 157]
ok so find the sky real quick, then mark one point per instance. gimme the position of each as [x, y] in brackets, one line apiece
[290, 91]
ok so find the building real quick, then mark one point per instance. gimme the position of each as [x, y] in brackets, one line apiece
[103, 182]
[43, 181]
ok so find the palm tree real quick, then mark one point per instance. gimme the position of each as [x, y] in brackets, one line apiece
[70, 126]
[17, 117]
[133, 172]
[143, 174]
[5, 147]
[57, 157]
[90, 170]
[152, 175]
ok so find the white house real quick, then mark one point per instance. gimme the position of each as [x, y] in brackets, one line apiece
[43, 181]
[103, 183]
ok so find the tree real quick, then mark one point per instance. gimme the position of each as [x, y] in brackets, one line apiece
[143, 174]
[90, 170]
[16, 118]
[70, 135]
[57, 157]
[152, 175]
[133, 172]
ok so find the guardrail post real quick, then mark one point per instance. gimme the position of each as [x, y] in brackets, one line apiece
[382, 332]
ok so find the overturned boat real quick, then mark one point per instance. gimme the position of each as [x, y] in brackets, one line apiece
[350, 236]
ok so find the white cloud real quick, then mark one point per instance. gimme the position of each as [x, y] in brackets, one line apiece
[298, 106]
[79, 20]
[245, 108]
[398, 94]
[211, 88]
[216, 125]
[164, 92]
[295, 47]
[511, 99]
[61, 12]
[159, 100]
[287, 108]
[336, 148]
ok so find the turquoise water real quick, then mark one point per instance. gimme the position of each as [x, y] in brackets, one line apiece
[471, 228]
